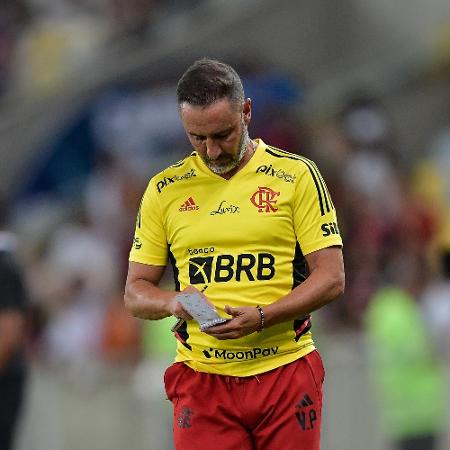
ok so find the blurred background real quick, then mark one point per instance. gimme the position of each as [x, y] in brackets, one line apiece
[88, 114]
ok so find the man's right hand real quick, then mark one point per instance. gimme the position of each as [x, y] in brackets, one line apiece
[175, 307]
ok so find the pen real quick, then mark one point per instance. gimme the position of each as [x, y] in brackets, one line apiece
[177, 325]
[180, 320]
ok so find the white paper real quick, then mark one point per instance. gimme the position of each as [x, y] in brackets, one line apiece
[200, 310]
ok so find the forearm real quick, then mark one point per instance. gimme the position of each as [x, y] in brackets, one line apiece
[315, 292]
[147, 301]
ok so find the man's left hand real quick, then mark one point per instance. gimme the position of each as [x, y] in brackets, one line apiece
[245, 320]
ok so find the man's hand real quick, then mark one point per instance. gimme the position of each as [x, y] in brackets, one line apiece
[245, 320]
[175, 307]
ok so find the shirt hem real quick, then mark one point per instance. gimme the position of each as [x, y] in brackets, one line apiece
[274, 364]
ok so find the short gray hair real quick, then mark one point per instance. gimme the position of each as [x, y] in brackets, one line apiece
[207, 81]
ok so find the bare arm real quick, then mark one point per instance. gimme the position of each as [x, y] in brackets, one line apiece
[144, 299]
[325, 282]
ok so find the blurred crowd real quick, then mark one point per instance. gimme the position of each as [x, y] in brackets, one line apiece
[393, 215]
[45, 43]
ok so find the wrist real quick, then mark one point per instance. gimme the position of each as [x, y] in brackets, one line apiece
[262, 319]
[171, 303]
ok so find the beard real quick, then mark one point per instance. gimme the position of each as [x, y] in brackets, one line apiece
[226, 162]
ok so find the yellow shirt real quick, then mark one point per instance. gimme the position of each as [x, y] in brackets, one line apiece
[245, 239]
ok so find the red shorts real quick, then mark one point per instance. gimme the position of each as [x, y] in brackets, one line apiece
[276, 410]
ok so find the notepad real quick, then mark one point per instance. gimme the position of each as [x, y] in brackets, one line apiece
[200, 310]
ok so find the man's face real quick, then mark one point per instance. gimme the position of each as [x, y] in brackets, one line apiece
[218, 132]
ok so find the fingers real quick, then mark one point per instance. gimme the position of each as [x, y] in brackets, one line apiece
[192, 289]
[219, 330]
[224, 334]
[177, 310]
[232, 311]
[244, 321]
[182, 314]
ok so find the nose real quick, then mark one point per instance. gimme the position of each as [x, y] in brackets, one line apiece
[213, 150]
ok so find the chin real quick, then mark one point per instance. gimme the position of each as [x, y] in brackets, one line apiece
[220, 170]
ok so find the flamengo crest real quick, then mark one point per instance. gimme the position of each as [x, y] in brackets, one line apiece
[264, 199]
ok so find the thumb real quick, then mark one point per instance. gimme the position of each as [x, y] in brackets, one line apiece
[231, 311]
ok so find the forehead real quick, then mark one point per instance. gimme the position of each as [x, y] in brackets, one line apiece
[204, 120]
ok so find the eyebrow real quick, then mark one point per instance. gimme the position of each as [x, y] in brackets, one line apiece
[215, 135]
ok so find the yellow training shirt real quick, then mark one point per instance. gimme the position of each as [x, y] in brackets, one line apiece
[244, 239]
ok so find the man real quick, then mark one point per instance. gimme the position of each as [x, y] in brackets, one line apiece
[13, 311]
[255, 226]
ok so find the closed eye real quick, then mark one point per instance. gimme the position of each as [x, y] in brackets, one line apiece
[217, 136]
[221, 135]
[198, 138]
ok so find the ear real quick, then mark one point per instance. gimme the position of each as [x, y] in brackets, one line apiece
[247, 110]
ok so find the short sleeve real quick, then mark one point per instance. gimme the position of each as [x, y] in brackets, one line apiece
[315, 219]
[150, 241]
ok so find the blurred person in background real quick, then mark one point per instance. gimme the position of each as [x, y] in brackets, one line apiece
[257, 377]
[131, 19]
[13, 315]
[436, 297]
[370, 166]
[82, 263]
[371, 184]
[158, 346]
[407, 378]
[15, 15]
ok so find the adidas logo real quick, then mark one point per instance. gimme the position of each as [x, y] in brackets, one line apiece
[188, 205]
[306, 401]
